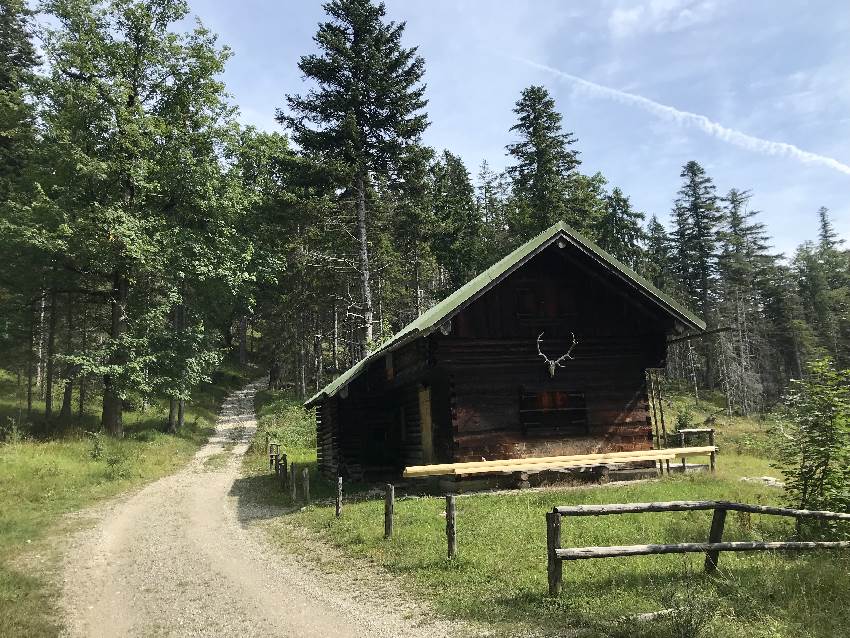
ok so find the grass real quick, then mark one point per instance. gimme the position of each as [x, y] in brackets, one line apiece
[43, 479]
[499, 577]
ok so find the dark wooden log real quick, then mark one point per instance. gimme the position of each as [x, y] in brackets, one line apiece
[293, 478]
[715, 536]
[553, 544]
[389, 506]
[305, 480]
[582, 553]
[338, 496]
[284, 471]
[451, 529]
[682, 444]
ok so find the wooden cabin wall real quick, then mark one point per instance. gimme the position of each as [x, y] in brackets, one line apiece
[327, 441]
[490, 359]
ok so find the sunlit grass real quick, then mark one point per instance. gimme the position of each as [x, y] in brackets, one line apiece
[499, 577]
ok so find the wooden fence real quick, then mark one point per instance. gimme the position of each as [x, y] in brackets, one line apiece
[557, 555]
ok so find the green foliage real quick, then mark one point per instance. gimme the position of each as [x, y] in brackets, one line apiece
[816, 444]
[543, 163]
[619, 230]
[98, 447]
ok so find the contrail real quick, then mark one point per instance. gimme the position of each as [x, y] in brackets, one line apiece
[748, 142]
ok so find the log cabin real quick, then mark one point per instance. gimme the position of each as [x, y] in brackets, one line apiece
[543, 354]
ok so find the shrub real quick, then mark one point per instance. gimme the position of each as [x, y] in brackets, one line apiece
[816, 442]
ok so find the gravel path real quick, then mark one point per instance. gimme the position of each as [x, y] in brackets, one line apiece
[183, 557]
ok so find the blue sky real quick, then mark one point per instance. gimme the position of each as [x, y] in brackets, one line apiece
[756, 91]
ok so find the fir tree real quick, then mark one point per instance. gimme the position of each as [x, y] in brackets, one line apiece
[696, 219]
[543, 160]
[365, 111]
[657, 262]
[620, 231]
[457, 241]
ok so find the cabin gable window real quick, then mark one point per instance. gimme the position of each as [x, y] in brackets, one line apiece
[553, 412]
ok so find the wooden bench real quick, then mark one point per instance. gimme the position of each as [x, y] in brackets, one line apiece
[556, 463]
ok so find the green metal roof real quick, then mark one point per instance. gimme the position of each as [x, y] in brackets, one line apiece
[463, 296]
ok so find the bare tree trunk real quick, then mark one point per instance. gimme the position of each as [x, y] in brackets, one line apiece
[84, 343]
[39, 375]
[51, 351]
[31, 361]
[111, 417]
[68, 393]
[364, 264]
[335, 346]
[172, 415]
[181, 414]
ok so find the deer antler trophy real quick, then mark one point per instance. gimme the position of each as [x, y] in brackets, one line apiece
[555, 363]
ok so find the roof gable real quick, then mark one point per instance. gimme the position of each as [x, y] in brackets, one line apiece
[428, 321]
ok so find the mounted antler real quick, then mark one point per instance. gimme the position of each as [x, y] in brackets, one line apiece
[556, 362]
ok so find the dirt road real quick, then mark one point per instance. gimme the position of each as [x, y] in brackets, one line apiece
[182, 558]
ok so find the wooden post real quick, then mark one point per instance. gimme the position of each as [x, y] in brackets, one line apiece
[293, 476]
[661, 413]
[451, 529]
[713, 456]
[305, 479]
[682, 444]
[553, 542]
[389, 506]
[338, 496]
[284, 471]
[715, 536]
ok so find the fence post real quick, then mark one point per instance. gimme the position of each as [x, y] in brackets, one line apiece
[553, 542]
[715, 536]
[305, 479]
[451, 529]
[389, 506]
[338, 496]
[713, 454]
[292, 482]
[684, 459]
[284, 471]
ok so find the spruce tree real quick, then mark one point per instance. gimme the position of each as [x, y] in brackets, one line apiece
[544, 160]
[620, 231]
[366, 109]
[457, 240]
[657, 257]
[696, 219]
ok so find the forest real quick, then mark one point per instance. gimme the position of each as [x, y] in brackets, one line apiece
[146, 233]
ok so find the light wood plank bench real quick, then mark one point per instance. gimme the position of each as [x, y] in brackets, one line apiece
[555, 463]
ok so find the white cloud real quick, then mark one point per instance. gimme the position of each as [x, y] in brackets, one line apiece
[686, 118]
[660, 16]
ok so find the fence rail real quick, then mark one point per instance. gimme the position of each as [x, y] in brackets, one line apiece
[712, 548]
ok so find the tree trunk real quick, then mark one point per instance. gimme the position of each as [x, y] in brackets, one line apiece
[84, 342]
[39, 374]
[364, 264]
[335, 347]
[243, 340]
[181, 414]
[68, 393]
[51, 367]
[172, 415]
[111, 417]
[31, 361]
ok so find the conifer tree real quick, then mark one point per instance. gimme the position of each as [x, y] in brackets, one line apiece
[620, 231]
[457, 240]
[544, 160]
[696, 219]
[366, 109]
[657, 257]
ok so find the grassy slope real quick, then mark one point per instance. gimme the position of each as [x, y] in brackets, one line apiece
[500, 575]
[42, 480]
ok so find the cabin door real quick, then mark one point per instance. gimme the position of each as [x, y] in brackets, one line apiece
[425, 424]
